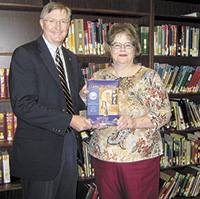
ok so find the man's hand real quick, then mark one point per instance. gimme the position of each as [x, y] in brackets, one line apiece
[80, 123]
[84, 92]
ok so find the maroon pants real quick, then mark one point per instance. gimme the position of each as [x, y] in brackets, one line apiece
[135, 180]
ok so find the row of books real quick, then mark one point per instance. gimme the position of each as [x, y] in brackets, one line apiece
[88, 37]
[8, 125]
[175, 40]
[185, 115]
[179, 79]
[89, 68]
[180, 150]
[4, 90]
[4, 167]
[183, 182]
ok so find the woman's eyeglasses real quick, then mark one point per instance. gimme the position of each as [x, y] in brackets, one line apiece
[118, 45]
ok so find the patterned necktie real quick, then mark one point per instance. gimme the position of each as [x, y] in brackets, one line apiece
[59, 66]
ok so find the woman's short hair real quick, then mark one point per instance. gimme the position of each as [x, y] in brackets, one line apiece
[123, 28]
[54, 6]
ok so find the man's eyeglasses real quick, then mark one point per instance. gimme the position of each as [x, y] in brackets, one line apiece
[127, 45]
[53, 22]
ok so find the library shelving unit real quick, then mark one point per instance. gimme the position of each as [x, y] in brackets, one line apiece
[20, 24]
[171, 12]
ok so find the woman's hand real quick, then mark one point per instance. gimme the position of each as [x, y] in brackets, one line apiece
[84, 92]
[125, 122]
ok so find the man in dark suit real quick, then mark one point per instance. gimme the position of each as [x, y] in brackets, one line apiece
[44, 151]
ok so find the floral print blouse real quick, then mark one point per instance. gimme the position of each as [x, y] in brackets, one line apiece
[139, 95]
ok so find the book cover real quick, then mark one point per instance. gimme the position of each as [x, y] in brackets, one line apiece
[178, 78]
[171, 82]
[168, 76]
[9, 126]
[187, 40]
[86, 38]
[194, 79]
[172, 184]
[99, 36]
[196, 181]
[195, 113]
[195, 172]
[7, 81]
[179, 143]
[177, 186]
[145, 40]
[6, 167]
[183, 186]
[103, 102]
[194, 143]
[178, 49]
[191, 73]
[2, 126]
[177, 89]
[89, 37]
[170, 141]
[87, 159]
[90, 191]
[93, 38]
[195, 123]
[188, 185]
[14, 123]
[73, 41]
[95, 193]
[157, 40]
[183, 40]
[169, 177]
[3, 91]
[193, 14]
[182, 87]
[68, 42]
[79, 36]
[1, 169]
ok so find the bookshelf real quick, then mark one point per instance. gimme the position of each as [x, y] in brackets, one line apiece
[171, 13]
[20, 24]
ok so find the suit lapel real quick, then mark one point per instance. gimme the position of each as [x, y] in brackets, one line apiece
[71, 78]
[48, 60]
[50, 64]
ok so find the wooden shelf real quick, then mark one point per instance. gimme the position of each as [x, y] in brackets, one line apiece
[174, 167]
[5, 143]
[185, 1]
[86, 178]
[185, 131]
[183, 95]
[178, 19]
[20, 7]
[5, 100]
[10, 187]
[5, 54]
[28, 7]
[109, 12]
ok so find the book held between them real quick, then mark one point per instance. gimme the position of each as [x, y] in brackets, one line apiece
[103, 102]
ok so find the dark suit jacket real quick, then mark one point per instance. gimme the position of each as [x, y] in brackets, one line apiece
[38, 102]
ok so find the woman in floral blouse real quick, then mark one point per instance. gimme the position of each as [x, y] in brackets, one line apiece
[126, 157]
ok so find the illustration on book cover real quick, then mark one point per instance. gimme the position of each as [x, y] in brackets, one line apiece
[102, 102]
